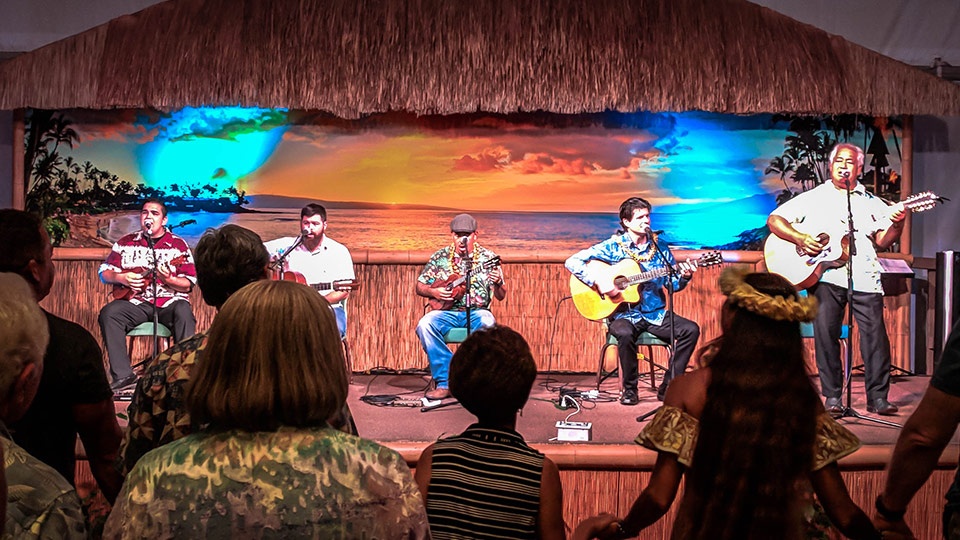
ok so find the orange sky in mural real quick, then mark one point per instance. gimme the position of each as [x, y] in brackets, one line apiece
[517, 171]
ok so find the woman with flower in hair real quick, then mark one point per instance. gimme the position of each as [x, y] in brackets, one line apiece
[748, 431]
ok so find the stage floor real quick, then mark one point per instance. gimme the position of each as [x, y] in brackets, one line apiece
[408, 428]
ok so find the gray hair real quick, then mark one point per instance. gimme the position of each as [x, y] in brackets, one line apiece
[23, 330]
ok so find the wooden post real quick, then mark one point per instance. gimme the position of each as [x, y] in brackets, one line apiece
[19, 195]
[906, 179]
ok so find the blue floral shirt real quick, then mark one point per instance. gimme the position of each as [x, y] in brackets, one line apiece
[652, 304]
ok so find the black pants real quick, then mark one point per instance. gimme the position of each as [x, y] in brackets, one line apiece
[688, 332]
[120, 316]
[874, 344]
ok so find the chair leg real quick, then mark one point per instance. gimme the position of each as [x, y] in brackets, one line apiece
[601, 376]
[648, 356]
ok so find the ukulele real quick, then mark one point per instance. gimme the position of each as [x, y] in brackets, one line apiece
[123, 292]
[456, 283]
[337, 285]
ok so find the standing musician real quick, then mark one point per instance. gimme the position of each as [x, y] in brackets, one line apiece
[320, 260]
[824, 208]
[636, 241]
[129, 267]
[445, 267]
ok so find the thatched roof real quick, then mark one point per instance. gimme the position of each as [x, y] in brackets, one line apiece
[351, 57]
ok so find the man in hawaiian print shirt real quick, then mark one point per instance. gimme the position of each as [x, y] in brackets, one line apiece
[447, 265]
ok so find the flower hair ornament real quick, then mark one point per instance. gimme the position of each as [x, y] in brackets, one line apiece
[778, 308]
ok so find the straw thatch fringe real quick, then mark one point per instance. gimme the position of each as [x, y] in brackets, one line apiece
[354, 57]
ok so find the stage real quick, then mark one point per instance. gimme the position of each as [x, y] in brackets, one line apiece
[608, 472]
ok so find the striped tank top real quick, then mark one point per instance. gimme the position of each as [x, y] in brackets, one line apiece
[484, 483]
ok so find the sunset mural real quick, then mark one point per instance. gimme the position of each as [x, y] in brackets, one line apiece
[536, 181]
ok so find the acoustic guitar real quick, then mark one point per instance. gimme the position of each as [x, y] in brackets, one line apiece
[792, 262]
[627, 276]
[122, 292]
[338, 285]
[457, 284]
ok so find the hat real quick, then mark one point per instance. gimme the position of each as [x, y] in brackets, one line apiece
[463, 223]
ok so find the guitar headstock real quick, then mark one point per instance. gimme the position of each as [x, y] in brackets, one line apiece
[345, 285]
[710, 258]
[922, 201]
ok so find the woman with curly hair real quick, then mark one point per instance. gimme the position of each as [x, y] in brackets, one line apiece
[748, 431]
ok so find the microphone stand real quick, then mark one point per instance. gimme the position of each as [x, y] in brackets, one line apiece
[277, 265]
[847, 411]
[671, 273]
[468, 276]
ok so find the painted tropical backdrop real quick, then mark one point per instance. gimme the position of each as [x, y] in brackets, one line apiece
[535, 181]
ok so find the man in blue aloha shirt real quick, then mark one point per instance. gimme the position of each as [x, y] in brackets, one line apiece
[449, 310]
[636, 241]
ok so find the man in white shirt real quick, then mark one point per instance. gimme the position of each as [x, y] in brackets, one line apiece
[317, 260]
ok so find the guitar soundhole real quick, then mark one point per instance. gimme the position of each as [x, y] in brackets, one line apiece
[621, 282]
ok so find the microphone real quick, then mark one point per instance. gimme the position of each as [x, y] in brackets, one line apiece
[304, 232]
[846, 174]
[148, 223]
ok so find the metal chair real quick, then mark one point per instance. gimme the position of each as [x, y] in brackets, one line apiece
[645, 342]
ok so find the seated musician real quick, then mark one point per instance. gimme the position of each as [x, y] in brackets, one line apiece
[447, 266]
[636, 241]
[130, 268]
[317, 260]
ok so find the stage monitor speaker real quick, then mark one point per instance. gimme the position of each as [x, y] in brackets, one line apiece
[947, 301]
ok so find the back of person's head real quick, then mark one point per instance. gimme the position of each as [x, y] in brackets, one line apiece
[20, 240]
[272, 359]
[759, 422]
[491, 374]
[227, 259]
[23, 341]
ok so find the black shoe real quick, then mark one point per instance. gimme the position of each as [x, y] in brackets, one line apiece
[661, 392]
[882, 406]
[833, 405]
[123, 383]
[629, 397]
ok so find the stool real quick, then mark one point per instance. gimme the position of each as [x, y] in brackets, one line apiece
[645, 342]
[457, 334]
[145, 330]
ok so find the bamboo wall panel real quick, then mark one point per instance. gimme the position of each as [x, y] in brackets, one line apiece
[587, 493]
[383, 314]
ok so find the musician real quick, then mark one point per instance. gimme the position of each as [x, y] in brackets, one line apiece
[319, 258]
[130, 265]
[446, 265]
[876, 225]
[636, 241]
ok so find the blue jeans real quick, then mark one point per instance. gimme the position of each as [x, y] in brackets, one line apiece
[434, 325]
[341, 316]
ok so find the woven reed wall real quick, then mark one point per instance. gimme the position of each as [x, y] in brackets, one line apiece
[354, 57]
[590, 492]
[383, 314]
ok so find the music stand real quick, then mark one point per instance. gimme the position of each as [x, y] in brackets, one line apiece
[671, 272]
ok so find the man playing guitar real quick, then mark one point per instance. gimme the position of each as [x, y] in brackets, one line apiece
[437, 282]
[803, 221]
[320, 261]
[129, 267]
[636, 241]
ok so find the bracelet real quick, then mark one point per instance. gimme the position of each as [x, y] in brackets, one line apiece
[885, 512]
[622, 533]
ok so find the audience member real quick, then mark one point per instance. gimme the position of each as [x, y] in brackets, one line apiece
[486, 482]
[918, 449]
[226, 259]
[74, 395]
[747, 430]
[40, 502]
[266, 463]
